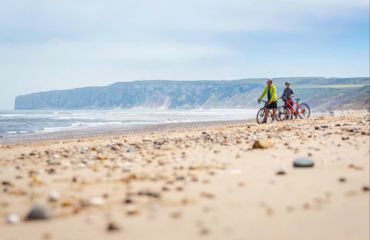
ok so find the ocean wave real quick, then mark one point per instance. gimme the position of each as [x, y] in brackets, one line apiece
[29, 122]
[79, 125]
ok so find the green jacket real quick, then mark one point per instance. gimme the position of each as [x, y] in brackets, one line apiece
[274, 97]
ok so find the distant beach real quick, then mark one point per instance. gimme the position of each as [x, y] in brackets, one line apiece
[111, 130]
[32, 125]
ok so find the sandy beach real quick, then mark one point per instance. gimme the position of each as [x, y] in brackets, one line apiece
[226, 180]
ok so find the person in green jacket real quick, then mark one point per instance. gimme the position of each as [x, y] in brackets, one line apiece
[272, 99]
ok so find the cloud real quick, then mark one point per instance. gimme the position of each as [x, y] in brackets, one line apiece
[78, 51]
[78, 18]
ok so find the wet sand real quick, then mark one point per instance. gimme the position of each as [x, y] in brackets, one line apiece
[200, 181]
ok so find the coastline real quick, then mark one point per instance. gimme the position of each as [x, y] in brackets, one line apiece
[114, 130]
[44, 125]
[193, 181]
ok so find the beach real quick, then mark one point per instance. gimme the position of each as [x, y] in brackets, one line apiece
[210, 180]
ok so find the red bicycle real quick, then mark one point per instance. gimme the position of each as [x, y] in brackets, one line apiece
[294, 109]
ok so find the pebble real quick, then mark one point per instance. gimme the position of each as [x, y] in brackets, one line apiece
[96, 201]
[112, 227]
[180, 178]
[84, 149]
[38, 212]
[101, 157]
[116, 148]
[67, 203]
[204, 231]
[66, 163]
[280, 172]
[46, 236]
[128, 200]
[241, 184]
[51, 171]
[342, 179]
[126, 167]
[12, 219]
[54, 196]
[33, 153]
[150, 193]
[354, 167]
[6, 183]
[303, 163]
[53, 162]
[130, 149]
[263, 144]
[207, 195]
[132, 210]
[175, 215]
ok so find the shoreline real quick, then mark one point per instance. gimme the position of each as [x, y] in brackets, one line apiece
[116, 130]
[112, 130]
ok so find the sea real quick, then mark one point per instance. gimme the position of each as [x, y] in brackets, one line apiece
[22, 122]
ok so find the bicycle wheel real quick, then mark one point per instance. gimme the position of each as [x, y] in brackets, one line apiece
[260, 115]
[304, 111]
[281, 113]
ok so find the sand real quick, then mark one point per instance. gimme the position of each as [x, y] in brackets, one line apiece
[203, 181]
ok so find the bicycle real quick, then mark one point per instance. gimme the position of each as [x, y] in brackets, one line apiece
[296, 109]
[261, 114]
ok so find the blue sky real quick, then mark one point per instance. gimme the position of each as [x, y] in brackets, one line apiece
[72, 43]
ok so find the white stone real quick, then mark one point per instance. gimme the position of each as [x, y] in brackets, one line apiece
[54, 196]
[97, 201]
[12, 218]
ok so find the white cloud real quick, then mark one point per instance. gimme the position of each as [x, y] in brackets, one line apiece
[79, 17]
[77, 51]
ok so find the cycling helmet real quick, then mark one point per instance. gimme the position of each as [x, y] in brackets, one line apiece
[287, 83]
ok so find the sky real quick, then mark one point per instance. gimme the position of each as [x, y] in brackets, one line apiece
[49, 44]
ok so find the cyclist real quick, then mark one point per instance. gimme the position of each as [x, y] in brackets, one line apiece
[270, 90]
[287, 95]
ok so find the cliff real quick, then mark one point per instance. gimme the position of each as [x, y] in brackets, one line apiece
[320, 93]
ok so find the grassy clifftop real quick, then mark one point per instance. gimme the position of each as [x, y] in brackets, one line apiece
[319, 93]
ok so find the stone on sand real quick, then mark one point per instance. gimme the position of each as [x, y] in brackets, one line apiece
[112, 227]
[303, 163]
[38, 212]
[101, 157]
[12, 219]
[263, 144]
[54, 196]
[96, 201]
[280, 172]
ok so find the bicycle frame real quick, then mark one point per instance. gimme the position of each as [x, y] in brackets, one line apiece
[291, 106]
[265, 107]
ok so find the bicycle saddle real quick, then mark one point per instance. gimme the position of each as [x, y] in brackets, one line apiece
[298, 99]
